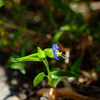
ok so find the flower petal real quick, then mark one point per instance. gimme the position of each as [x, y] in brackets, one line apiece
[54, 48]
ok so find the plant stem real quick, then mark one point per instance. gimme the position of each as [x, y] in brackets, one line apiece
[47, 66]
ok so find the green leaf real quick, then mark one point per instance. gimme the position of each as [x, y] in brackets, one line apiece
[17, 65]
[53, 82]
[61, 5]
[83, 27]
[97, 69]
[56, 37]
[32, 57]
[20, 66]
[41, 54]
[2, 2]
[11, 58]
[49, 53]
[65, 28]
[76, 66]
[38, 78]
[22, 70]
[74, 27]
[63, 74]
[69, 27]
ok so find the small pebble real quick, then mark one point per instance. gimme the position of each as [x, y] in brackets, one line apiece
[23, 96]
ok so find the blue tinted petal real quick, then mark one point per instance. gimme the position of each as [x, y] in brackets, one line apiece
[54, 48]
[55, 56]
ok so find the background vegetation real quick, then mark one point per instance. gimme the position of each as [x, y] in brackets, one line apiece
[73, 24]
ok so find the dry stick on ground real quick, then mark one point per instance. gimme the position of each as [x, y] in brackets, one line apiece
[54, 94]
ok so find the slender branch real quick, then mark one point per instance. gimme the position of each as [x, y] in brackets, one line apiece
[47, 66]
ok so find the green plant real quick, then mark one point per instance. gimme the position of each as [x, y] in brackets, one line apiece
[17, 65]
[3, 38]
[2, 2]
[53, 76]
[97, 68]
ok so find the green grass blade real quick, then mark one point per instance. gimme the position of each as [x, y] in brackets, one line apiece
[77, 64]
